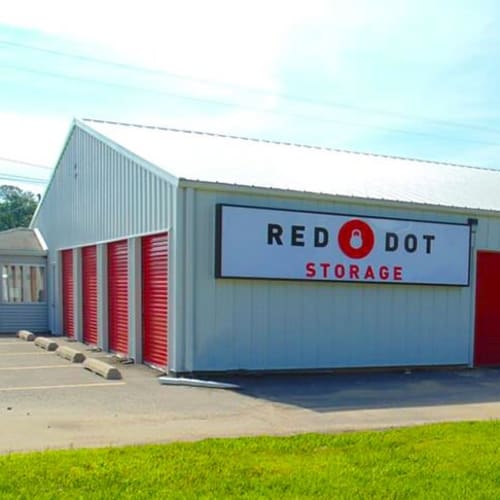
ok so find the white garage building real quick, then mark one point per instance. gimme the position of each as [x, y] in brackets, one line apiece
[23, 299]
[200, 252]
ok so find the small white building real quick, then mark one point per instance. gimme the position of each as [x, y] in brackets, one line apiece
[200, 252]
[23, 299]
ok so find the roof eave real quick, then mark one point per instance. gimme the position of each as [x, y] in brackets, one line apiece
[113, 145]
[289, 193]
[54, 171]
[155, 169]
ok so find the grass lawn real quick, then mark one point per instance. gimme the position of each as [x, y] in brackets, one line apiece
[437, 461]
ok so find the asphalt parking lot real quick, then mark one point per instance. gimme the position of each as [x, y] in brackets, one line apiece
[48, 402]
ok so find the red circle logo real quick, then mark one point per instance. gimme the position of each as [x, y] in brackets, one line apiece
[356, 239]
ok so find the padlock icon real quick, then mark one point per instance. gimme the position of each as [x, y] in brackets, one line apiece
[356, 240]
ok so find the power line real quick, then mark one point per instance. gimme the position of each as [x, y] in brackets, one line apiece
[107, 62]
[20, 178]
[247, 108]
[21, 162]
[266, 92]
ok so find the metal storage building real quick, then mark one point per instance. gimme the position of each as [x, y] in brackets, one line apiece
[202, 252]
[23, 300]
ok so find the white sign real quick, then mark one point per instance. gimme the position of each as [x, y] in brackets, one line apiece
[285, 244]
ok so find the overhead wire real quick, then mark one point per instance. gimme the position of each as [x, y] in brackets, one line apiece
[21, 178]
[245, 107]
[266, 92]
[27, 163]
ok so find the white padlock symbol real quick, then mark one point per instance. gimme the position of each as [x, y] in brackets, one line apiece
[356, 239]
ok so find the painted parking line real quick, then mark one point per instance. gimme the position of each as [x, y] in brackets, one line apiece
[38, 367]
[66, 386]
[19, 342]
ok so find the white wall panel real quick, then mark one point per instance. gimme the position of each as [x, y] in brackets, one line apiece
[488, 233]
[265, 324]
[98, 194]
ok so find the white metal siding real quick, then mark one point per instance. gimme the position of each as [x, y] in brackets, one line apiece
[488, 233]
[98, 194]
[244, 324]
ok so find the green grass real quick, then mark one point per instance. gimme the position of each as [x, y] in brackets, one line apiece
[437, 461]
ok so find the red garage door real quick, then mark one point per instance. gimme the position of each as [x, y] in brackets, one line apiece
[89, 294]
[154, 299]
[68, 295]
[118, 296]
[487, 341]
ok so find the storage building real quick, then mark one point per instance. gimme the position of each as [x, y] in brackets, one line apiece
[201, 252]
[23, 299]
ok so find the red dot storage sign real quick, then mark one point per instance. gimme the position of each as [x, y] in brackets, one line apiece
[270, 243]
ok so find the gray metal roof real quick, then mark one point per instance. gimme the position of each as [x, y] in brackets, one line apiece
[21, 241]
[249, 162]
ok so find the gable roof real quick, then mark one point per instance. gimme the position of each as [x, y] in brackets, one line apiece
[22, 241]
[207, 157]
[186, 156]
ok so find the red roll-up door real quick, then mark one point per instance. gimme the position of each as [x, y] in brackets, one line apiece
[118, 296]
[89, 294]
[68, 295]
[487, 337]
[155, 299]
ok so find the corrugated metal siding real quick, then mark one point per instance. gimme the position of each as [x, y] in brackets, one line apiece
[14, 317]
[97, 194]
[155, 299]
[488, 233]
[240, 324]
[105, 196]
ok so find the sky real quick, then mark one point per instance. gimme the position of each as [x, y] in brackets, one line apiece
[416, 79]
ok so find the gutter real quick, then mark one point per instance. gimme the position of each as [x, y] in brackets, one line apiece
[41, 240]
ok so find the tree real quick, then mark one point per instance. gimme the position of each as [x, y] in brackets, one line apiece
[16, 207]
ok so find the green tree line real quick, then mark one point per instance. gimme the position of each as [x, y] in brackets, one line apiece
[16, 207]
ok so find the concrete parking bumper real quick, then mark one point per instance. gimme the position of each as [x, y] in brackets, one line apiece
[103, 369]
[70, 354]
[45, 343]
[26, 335]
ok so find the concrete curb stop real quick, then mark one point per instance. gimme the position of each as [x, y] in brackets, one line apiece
[26, 335]
[45, 343]
[101, 368]
[70, 354]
